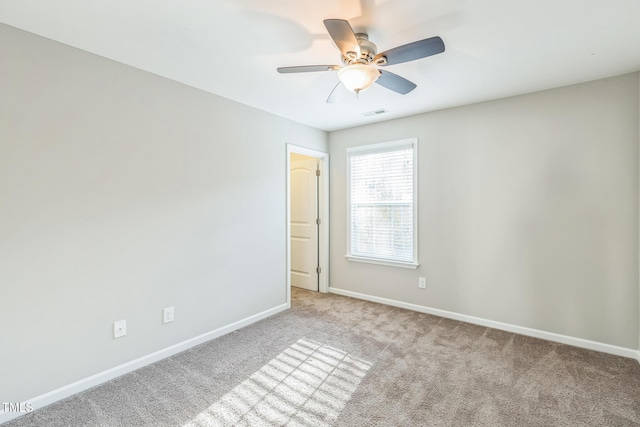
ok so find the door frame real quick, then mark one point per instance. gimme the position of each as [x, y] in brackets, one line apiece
[323, 209]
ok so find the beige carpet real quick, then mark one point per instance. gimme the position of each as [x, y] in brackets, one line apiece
[333, 360]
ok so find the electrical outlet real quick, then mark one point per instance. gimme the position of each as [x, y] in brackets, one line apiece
[167, 315]
[119, 328]
[422, 282]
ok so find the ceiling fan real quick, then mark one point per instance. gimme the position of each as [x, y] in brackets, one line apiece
[361, 60]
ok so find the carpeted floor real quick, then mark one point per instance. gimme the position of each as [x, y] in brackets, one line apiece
[333, 360]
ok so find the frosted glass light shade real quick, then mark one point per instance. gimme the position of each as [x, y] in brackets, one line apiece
[357, 77]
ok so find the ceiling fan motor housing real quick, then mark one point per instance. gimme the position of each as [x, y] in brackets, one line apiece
[368, 51]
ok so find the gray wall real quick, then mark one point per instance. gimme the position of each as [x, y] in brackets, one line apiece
[528, 211]
[122, 193]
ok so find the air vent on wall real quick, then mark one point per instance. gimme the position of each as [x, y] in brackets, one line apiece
[375, 113]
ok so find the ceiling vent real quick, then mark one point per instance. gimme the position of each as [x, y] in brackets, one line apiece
[375, 113]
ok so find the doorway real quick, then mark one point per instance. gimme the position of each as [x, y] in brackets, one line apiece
[307, 219]
[304, 221]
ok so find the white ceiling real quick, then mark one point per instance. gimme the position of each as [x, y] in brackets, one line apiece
[494, 48]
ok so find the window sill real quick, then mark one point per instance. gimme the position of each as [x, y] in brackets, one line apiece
[411, 265]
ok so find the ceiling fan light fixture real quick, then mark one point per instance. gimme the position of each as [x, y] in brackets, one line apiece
[358, 77]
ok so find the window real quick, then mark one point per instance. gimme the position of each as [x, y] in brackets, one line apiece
[382, 188]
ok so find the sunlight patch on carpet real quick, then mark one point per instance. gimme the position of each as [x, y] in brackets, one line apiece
[308, 384]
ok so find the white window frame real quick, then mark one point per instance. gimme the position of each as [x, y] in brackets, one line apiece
[380, 147]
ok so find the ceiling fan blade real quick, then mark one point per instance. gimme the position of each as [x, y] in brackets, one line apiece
[334, 96]
[412, 51]
[395, 83]
[343, 36]
[308, 68]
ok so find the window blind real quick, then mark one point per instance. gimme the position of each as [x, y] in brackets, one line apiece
[382, 222]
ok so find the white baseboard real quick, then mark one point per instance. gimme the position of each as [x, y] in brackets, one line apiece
[550, 336]
[104, 376]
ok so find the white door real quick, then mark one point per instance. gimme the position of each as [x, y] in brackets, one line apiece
[304, 229]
